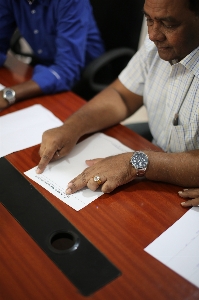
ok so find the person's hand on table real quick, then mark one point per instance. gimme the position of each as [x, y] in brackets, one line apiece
[109, 173]
[192, 194]
[56, 143]
[3, 102]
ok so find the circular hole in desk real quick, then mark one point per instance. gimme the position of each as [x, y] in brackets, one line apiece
[63, 241]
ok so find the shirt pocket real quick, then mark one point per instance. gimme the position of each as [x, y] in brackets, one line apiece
[184, 137]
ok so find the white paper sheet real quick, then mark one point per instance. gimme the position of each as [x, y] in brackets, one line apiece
[1, 86]
[24, 128]
[57, 174]
[178, 247]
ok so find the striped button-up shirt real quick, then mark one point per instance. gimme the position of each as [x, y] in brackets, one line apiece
[167, 90]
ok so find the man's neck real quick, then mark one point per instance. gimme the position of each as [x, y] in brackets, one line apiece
[174, 61]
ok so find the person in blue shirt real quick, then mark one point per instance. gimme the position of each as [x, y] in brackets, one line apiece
[63, 36]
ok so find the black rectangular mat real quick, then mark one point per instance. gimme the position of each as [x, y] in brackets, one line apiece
[84, 265]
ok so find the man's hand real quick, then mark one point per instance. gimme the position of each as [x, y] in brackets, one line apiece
[56, 143]
[3, 102]
[190, 193]
[111, 172]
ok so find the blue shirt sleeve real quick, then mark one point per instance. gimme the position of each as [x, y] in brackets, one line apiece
[63, 35]
[7, 28]
[73, 26]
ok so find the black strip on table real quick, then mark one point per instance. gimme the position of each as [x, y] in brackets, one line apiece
[84, 265]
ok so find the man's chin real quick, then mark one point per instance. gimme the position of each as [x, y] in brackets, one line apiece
[166, 54]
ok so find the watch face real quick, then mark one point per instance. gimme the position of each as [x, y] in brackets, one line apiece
[139, 160]
[9, 94]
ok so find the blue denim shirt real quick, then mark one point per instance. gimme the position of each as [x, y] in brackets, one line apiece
[62, 33]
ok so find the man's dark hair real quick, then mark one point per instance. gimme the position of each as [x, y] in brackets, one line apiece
[194, 6]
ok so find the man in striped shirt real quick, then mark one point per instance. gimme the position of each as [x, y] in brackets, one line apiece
[164, 76]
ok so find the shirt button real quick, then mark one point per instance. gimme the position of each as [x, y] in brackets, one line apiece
[33, 11]
[39, 51]
[36, 31]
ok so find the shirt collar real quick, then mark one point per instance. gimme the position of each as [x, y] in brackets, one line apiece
[191, 62]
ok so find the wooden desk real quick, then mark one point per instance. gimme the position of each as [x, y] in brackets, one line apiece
[120, 225]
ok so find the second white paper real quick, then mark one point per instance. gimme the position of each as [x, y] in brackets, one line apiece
[178, 246]
[57, 174]
[23, 128]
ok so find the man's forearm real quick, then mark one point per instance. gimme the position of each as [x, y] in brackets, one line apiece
[23, 91]
[176, 168]
[108, 108]
[95, 115]
[27, 90]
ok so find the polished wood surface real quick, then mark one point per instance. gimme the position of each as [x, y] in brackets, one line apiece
[120, 225]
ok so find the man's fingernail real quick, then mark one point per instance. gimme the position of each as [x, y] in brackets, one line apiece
[38, 171]
[68, 191]
[180, 192]
[183, 203]
[185, 190]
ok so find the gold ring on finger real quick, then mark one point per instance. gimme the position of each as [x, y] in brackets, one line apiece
[97, 179]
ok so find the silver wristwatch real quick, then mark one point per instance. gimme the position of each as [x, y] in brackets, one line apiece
[139, 161]
[9, 95]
